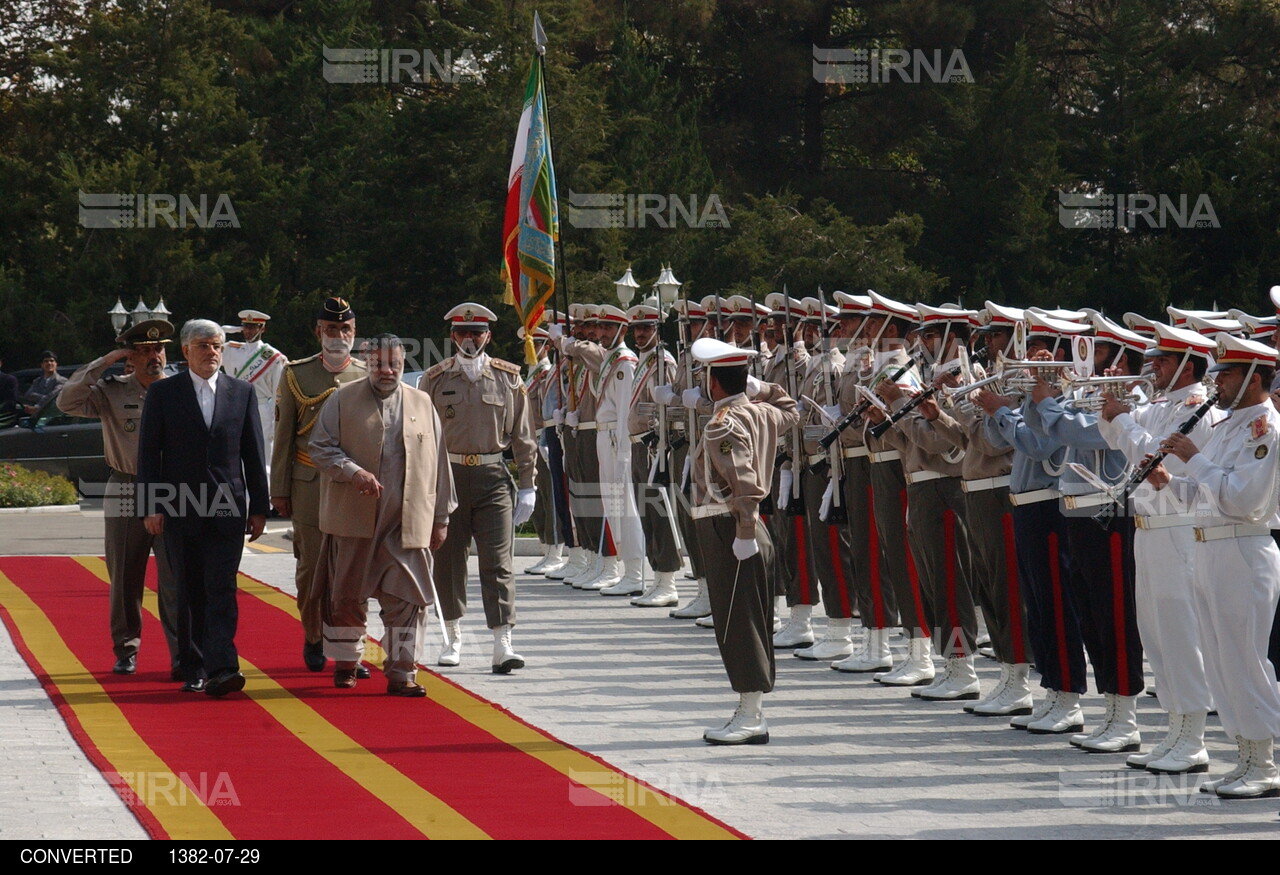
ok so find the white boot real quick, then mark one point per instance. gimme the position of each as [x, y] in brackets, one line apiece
[540, 566]
[504, 658]
[874, 655]
[1170, 740]
[707, 622]
[1065, 716]
[631, 582]
[700, 606]
[746, 726]
[779, 608]
[798, 631]
[837, 643]
[1260, 780]
[579, 559]
[1015, 700]
[662, 594]
[1186, 752]
[996, 692]
[962, 682]
[590, 570]
[1079, 739]
[610, 574]
[915, 670]
[1241, 767]
[552, 560]
[1121, 735]
[451, 653]
[1022, 721]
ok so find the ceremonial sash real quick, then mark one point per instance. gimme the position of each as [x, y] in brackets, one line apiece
[263, 358]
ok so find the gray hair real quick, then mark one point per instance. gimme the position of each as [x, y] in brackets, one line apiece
[198, 329]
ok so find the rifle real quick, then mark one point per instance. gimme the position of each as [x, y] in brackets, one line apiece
[795, 507]
[837, 512]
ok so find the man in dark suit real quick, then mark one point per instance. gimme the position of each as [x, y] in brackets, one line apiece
[202, 483]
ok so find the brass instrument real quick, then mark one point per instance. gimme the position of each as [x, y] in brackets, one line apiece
[1093, 391]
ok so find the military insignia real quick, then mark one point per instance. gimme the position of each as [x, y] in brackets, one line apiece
[131, 425]
[620, 375]
[153, 333]
[468, 315]
[725, 448]
[1260, 452]
[449, 412]
[1258, 427]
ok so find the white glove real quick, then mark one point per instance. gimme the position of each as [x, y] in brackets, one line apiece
[556, 331]
[753, 386]
[832, 413]
[826, 502]
[745, 548]
[663, 395]
[558, 416]
[571, 419]
[690, 397]
[524, 506]
[785, 479]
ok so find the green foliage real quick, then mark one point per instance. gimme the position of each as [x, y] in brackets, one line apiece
[20, 487]
[392, 193]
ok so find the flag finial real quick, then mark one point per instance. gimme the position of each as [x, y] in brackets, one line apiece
[539, 35]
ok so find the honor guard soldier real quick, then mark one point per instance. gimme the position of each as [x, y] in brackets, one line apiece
[731, 472]
[644, 426]
[295, 483]
[539, 384]
[1232, 483]
[481, 402]
[117, 401]
[256, 362]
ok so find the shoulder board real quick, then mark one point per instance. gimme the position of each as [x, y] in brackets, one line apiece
[358, 365]
[500, 365]
[235, 344]
[439, 369]
[309, 358]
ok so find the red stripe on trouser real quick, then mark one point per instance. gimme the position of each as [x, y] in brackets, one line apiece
[953, 611]
[1118, 615]
[568, 509]
[1015, 597]
[873, 556]
[842, 584]
[1059, 610]
[922, 625]
[609, 548]
[802, 561]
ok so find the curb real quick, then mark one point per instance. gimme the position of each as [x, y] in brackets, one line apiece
[47, 508]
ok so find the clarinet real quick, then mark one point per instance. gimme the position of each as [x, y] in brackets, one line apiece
[1143, 471]
[881, 427]
[856, 413]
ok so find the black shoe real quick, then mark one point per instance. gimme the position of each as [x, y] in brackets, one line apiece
[195, 686]
[125, 665]
[224, 682]
[175, 673]
[362, 671]
[313, 655]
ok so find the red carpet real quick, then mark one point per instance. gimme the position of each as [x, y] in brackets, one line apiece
[295, 758]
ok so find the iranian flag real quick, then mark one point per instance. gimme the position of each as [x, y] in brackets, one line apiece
[531, 223]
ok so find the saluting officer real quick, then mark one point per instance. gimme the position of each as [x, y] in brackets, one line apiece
[481, 402]
[117, 401]
[295, 483]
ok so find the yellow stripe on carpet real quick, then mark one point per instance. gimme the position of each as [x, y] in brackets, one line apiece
[425, 811]
[179, 815]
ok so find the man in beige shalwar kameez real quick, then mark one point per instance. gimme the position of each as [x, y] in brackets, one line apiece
[385, 505]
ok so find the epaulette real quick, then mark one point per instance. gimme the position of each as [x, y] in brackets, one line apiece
[235, 344]
[309, 358]
[501, 365]
[438, 369]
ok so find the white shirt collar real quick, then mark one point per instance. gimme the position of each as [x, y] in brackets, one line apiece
[199, 381]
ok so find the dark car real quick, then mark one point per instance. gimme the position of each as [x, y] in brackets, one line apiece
[57, 442]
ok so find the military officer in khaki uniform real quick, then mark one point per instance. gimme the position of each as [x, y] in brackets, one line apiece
[117, 401]
[295, 483]
[481, 402]
[731, 473]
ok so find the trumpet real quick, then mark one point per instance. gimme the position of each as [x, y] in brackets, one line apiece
[1020, 377]
[1095, 389]
[959, 398]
